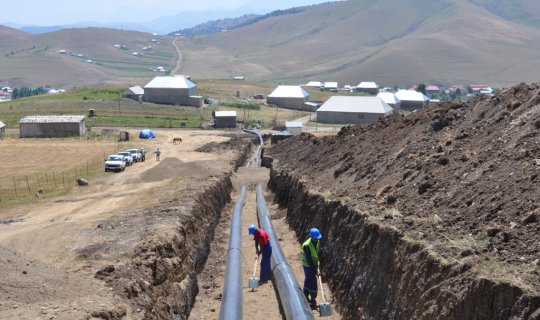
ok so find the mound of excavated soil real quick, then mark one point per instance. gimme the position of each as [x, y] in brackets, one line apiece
[236, 143]
[463, 178]
[174, 167]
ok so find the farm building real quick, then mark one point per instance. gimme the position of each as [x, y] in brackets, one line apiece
[314, 84]
[288, 97]
[412, 100]
[390, 99]
[368, 87]
[331, 86]
[52, 126]
[2, 130]
[353, 110]
[294, 127]
[170, 90]
[225, 119]
[134, 93]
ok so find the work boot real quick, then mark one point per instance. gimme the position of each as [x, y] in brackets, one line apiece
[313, 302]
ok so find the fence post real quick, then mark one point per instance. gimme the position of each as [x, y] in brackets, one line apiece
[47, 178]
[63, 180]
[28, 185]
[54, 179]
[37, 178]
[15, 187]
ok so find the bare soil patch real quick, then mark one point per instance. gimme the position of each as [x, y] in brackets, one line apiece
[460, 179]
[64, 241]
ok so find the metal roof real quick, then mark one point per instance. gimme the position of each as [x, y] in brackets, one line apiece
[355, 104]
[314, 84]
[293, 124]
[368, 85]
[289, 92]
[53, 119]
[137, 90]
[411, 95]
[331, 84]
[172, 82]
[225, 114]
[388, 97]
[2, 124]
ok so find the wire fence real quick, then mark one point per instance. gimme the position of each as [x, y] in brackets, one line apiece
[19, 187]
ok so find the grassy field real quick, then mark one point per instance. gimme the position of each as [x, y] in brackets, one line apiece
[113, 111]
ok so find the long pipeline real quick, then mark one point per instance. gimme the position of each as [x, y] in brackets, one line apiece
[231, 303]
[292, 299]
[260, 148]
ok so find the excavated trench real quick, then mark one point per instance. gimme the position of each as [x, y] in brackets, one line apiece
[160, 280]
[375, 272]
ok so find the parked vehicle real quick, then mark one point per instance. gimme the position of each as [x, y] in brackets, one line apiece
[115, 162]
[136, 153]
[208, 101]
[128, 158]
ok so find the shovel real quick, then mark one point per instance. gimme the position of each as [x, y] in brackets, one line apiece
[254, 281]
[325, 309]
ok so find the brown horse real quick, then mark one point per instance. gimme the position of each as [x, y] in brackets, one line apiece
[176, 140]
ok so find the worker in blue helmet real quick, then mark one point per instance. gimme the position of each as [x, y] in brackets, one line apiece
[262, 246]
[310, 262]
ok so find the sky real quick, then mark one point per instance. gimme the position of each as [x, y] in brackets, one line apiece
[62, 12]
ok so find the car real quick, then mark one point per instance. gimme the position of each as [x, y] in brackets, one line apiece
[128, 158]
[115, 162]
[136, 153]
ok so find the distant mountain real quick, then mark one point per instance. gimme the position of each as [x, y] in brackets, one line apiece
[220, 25]
[393, 42]
[214, 26]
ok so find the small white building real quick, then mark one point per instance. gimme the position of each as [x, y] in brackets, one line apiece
[2, 130]
[368, 87]
[353, 110]
[52, 126]
[294, 127]
[134, 93]
[412, 100]
[288, 97]
[170, 90]
[314, 84]
[225, 119]
[331, 86]
[390, 99]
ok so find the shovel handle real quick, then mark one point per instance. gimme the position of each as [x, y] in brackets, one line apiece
[322, 290]
[255, 266]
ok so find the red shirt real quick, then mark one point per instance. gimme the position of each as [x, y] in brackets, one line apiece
[261, 237]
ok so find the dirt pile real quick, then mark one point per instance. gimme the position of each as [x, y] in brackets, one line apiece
[236, 143]
[174, 167]
[460, 179]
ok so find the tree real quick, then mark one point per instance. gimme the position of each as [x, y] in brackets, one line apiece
[421, 88]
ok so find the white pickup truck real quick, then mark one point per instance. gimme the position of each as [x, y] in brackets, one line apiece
[128, 158]
[115, 162]
[136, 153]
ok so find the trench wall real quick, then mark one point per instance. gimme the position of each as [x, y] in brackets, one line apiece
[160, 282]
[376, 273]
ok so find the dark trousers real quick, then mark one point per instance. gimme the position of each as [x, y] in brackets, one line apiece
[310, 284]
[266, 269]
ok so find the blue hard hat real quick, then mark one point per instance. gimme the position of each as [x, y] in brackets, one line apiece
[315, 233]
[252, 228]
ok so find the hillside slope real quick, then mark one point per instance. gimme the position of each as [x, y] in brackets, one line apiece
[461, 180]
[33, 60]
[392, 42]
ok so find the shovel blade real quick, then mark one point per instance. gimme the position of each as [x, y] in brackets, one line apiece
[253, 283]
[325, 309]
